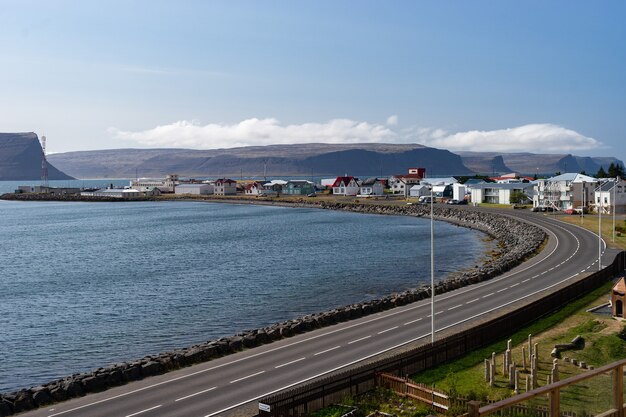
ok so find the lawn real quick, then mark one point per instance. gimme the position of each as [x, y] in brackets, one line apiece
[591, 222]
[603, 345]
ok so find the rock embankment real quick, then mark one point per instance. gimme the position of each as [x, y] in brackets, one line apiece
[517, 241]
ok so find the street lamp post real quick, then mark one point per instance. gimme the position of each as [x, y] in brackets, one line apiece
[432, 267]
[614, 187]
[599, 206]
[582, 209]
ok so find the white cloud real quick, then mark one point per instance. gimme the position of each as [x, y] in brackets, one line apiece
[191, 134]
[539, 138]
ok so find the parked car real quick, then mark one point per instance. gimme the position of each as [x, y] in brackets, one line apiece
[452, 202]
[569, 211]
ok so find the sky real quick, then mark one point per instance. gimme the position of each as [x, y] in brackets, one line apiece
[500, 76]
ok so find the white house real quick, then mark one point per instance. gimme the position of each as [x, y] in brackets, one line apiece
[225, 186]
[610, 192]
[194, 189]
[122, 193]
[166, 185]
[397, 185]
[565, 191]
[254, 189]
[495, 193]
[371, 186]
[458, 192]
[346, 186]
[419, 190]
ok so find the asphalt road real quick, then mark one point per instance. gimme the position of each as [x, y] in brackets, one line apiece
[220, 385]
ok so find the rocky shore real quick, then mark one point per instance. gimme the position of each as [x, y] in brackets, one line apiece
[517, 242]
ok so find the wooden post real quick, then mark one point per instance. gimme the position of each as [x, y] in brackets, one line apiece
[555, 403]
[618, 390]
[473, 408]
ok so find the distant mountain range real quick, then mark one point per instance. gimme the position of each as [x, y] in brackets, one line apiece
[20, 159]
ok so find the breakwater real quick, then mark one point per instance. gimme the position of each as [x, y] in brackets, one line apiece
[514, 241]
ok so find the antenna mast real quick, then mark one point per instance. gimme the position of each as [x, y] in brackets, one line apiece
[44, 163]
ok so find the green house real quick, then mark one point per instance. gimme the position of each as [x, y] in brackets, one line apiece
[299, 187]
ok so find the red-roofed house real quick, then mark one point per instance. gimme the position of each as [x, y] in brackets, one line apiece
[345, 186]
[254, 188]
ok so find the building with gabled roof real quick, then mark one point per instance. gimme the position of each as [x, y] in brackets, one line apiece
[225, 186]
[618, 298]
[566, 191]
[346, 185]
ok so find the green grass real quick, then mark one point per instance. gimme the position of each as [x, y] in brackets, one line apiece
[603, 345]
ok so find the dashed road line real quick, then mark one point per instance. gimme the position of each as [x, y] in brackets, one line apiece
[452, 308]
[388, 330]
[193, 395]
[246, 377]
[289, 363]
[526, 280]
[473, 301]
[358, 340]
[412, 321]
[488, 295]
[144, 411]
[502, 289]
[514, 285]
[326, 351]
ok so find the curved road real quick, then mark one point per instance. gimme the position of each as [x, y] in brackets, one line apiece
[220, 385]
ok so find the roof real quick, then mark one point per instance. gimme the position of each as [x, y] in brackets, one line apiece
[574, 177]
[253, 185]
[474, 181]
[342, 181]
[435, 180]
[275, 182]
[419, 187]
[620, 286]
[225, 181]
[371, 181]
[508, 186]
[416, 176]
[606, 186]
[190, 185]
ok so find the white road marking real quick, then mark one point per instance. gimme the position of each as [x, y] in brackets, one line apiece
[289, 363]
[358, 340]
[327, 350]
[413, 321]
[388, 330]
[488, 295]
[473, 301]
[144, 411]
[526, 280]
[513, 285]
[246, 377]
[502, 289]
[193, 395]
[452, 308]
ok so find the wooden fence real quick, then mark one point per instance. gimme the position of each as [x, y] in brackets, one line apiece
[554, 394]
[420, 392]
[331, 389]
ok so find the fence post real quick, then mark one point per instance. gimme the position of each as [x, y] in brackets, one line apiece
[474, 407]
[618, 390]
[555, 403]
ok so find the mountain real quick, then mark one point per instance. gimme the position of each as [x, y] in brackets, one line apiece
[254, 161]
[532, 163]
[20, 158]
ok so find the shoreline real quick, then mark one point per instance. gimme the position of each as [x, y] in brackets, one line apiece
[517, 241]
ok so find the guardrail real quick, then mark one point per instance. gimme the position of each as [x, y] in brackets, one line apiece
[331, 389]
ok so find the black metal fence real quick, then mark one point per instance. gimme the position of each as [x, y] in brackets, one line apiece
[331, 389]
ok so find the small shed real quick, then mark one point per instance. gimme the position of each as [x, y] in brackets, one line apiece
[618, 298]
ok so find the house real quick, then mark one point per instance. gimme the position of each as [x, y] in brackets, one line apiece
[495, 193]
[513, 177]
[371, 186]
[254, 189]
[121, 193]
[440, 181]
[276, 186]
[397, 185]
[459, 191]
[565, 191]
[618, 298]
[609, 193]
[299, 187]
[345, 186]
[194, 189]
[419, 190]
[225, 186]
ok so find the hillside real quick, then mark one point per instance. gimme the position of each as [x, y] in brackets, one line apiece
[20, 158]
[296, 160]
[531, 163]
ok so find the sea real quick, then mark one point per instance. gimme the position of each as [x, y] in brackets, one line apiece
[84, 285]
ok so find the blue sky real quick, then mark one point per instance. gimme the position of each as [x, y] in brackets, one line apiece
[474, 75]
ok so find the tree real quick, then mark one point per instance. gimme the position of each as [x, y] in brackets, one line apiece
[601, 173]
[616, 170]
[583, 172]
[518, 197]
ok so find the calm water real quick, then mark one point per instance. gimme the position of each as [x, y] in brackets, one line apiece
[83, 285]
